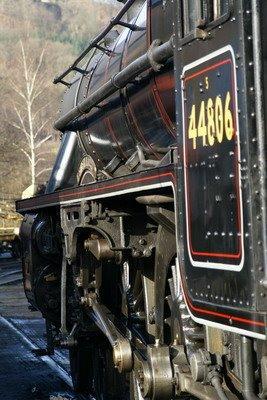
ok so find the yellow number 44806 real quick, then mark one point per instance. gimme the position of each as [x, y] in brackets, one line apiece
[215, 121]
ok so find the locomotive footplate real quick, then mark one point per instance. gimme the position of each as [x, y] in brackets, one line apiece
[136, 182]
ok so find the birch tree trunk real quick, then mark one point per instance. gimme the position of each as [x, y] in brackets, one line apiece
[28, 108]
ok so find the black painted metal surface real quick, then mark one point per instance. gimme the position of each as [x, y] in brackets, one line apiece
[218, 195]
[141, 111]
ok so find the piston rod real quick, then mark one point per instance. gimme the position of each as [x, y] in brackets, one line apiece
[122, 351]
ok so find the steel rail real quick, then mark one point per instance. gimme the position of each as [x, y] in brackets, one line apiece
[114, 21]
[156, 55]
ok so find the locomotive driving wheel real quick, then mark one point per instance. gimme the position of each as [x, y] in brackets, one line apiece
[93, 372]
[92, 363]
[92, 360]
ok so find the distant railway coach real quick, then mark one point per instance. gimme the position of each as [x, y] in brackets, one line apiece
[147, 255]
[9, 229]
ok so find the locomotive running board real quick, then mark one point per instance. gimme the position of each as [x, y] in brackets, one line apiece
[150, 179]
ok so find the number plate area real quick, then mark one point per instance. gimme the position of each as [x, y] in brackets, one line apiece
[211, 151]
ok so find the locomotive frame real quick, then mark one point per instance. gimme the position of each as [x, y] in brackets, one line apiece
[207, 191]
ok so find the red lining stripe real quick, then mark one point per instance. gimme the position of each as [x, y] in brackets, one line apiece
[119, 184]
[222, 315]
[129, 106]
[162, 110]
[107, 119]
[208, 69]
[201, 253]
[155, 87]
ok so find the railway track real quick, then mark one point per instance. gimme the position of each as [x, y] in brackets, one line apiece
[10, 277]
[39, 378]
[23, 375]
[21, 333]
[10, 270]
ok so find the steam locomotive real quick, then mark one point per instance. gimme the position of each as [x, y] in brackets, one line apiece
[147, 255]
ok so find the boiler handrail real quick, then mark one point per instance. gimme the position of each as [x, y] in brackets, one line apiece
[114, 21]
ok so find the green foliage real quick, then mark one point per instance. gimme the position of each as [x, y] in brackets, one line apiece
[70, 22]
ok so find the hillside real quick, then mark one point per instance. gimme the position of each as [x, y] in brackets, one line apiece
[38, 38]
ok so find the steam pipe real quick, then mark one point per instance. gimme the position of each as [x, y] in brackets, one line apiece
[260, 122]
[248, 379]
[63, 166]
[155, 57]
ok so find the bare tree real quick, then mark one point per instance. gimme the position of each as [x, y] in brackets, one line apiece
[37, 41]
[29, 110]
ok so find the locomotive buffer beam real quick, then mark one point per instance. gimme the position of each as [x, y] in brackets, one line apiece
[122, 351]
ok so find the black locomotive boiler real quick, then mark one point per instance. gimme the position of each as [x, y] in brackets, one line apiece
[147, 255]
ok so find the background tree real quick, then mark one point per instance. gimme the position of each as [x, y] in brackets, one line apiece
[37, 40]
[29, 103]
